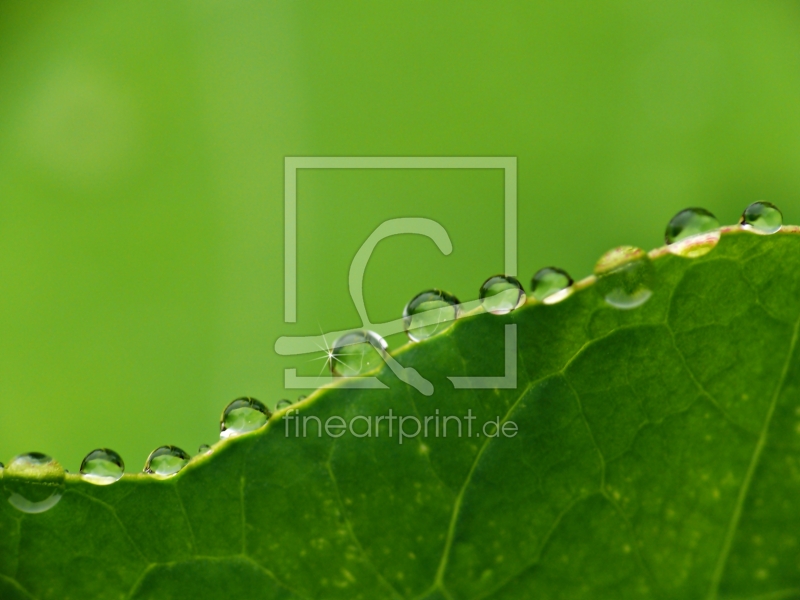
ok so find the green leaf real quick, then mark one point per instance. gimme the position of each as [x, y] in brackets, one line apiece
[657, 455]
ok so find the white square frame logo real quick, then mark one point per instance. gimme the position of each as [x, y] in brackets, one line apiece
[410, 376]
[293, 163]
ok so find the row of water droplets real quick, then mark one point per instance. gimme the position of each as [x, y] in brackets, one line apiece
[34, 482]
[625, 279]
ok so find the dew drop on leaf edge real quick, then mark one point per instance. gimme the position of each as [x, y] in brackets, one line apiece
[500, 294]
[204, 449]
[166, 460]
[692, 232]
[550, 285]
[625, 277]
[429, 313]
[356, 352]
[242, 416]
[102, 467]
[33, 482]
[762, 217]
[283, 404]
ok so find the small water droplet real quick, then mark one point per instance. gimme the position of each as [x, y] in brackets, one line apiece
[283, 404]
[551, 285]
[762, 217]
[692, 232]
[166, 460]
[625, 277]
[204, 449]
[357, 352]
[102, 467]
[300, 398]
[33, 482]
[429, 314]
[242, 416]
[501, 294]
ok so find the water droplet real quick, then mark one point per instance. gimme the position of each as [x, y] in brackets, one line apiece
[762, 217]
[204, 449]
[242, 416]
[551, 285]
[501, 294]
[300, 398]
[283, 404]
[429, 314]
[33, 482]
[625, 277]
[102, 467]
[692, 233]
[166, 460]
[356, 353]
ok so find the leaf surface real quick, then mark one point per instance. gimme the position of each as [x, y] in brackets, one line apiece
[656, 456]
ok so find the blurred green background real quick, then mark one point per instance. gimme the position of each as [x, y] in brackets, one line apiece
[141, 177]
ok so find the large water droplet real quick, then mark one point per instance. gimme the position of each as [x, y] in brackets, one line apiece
[762, 217]
[625, 277]
[241, 416]
[501, 294]
[33, 482]
[550, 285]
[166, 460]
[356, 353]
[429, 314]
[102, 467]
[692, 232]
[283, 404]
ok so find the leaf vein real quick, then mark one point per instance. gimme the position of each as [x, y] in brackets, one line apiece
[349, 525]
[18, 586]
[727, 545]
